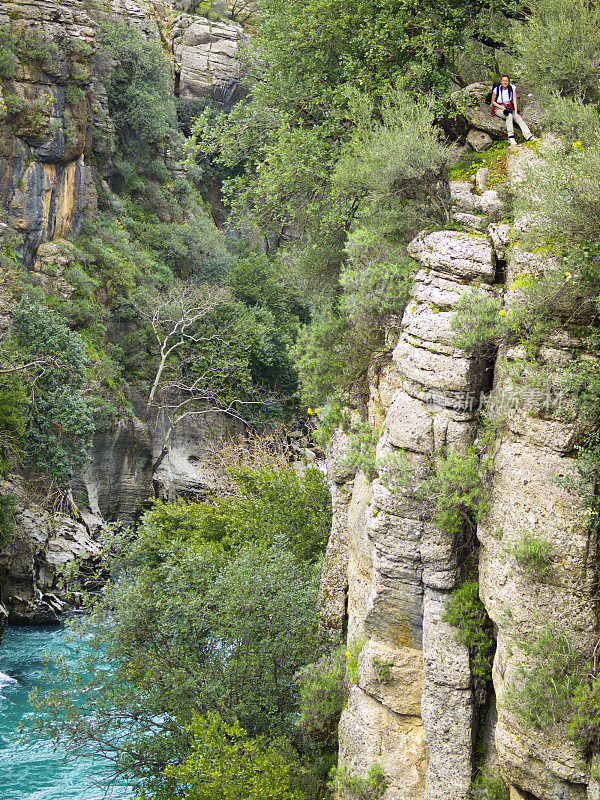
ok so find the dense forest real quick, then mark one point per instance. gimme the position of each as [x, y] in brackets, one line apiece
[220, 683]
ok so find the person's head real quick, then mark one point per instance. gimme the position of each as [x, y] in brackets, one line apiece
[504, 80]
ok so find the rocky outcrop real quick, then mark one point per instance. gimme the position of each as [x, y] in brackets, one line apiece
[186, 453]
[118, 476]
[32, 559]
[534, 456]
[208, 61]
[416, 708]
[45, 119]
[418, 720]
[474, 123]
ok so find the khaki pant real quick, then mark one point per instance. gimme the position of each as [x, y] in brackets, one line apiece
[510, 126]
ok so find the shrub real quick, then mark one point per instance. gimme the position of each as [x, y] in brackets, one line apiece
[60, 423]
[532, 553]
[226, 764]
[477, 321]
[139, 91]
[333, 415]
[467, 613]
[352, 653]
[557, 687]
[14, 104]
[457, 489]
[323, 693]
[489, 786]
[557, 47]
[354, 787]
[73, 95]
[361, 449]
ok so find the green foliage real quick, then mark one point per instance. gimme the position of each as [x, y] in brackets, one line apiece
[7, 527]
[194, 631]
[457, 489]
[493, 159]
[14, 104]
[557, 47]
[323, 695]
[7, 48]
[489, 786]
[557, 687]
[333, 415]
[272, 506]
[352, 653]
[225, 764]
[361, 449]
[326, 357]
[73, 95]
[139, 91]
[60, 424]
[14, 407]
[398, 167]
[354, 787]
[477, 321]
[465, 611]
[532, 553]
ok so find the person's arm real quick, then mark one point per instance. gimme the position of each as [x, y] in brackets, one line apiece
[495, 104]
[514, 100]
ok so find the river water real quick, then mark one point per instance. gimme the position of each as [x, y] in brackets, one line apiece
[34, 770]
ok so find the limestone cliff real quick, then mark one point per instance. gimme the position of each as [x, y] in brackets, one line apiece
[56, 145]
[416, 708]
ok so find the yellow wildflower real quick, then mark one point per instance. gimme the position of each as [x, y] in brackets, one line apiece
[503, 313]
[577, 146]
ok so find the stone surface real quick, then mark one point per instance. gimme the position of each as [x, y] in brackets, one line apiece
[208, 59]
[393, 676]
[371, 733]
[33, 556]
[482, 177]
[479, 140]
[118, 476]
[474, 102]
[459, 254]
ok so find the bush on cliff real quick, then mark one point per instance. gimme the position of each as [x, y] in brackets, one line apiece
[139, 88]
[60, 418]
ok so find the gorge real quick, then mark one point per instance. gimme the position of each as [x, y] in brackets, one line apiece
[300, 380]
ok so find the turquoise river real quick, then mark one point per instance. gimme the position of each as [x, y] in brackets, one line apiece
[32, 769]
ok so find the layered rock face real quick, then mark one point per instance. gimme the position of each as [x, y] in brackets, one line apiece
[534, 456]
[207, 59]
[32, 559]
[415, 709]
[417, 720]
[54, 122]
[45, 119]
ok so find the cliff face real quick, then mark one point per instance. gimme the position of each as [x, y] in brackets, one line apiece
[56, 142]
[416, 708]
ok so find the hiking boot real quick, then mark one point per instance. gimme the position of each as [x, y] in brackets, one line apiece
[512, 142]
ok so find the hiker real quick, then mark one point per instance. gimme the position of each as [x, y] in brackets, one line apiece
[504, 105]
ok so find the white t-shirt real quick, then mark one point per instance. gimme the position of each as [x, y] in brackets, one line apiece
[504, 95]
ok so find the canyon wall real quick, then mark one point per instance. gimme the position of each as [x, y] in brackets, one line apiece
[416, 708]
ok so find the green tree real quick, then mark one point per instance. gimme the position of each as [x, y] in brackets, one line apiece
[190, 626]
[225, 764]
[140, 100]
[60, 421]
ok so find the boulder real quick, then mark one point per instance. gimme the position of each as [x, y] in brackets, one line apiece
[479, 140]
[474, 104]
[208, 59]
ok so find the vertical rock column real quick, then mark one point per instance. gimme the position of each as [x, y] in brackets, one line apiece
[536, 452]
[412, 564]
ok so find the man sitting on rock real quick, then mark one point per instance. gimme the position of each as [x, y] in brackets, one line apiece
[504, 104]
